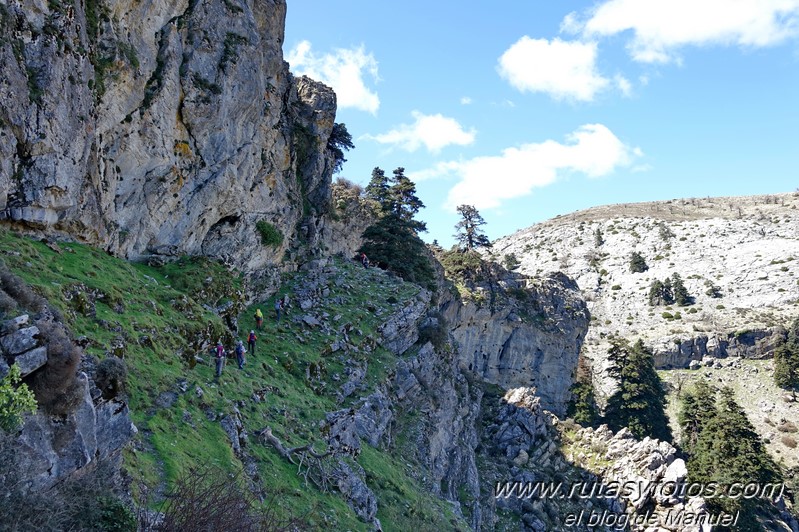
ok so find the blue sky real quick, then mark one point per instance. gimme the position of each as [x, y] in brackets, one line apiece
[532, 108]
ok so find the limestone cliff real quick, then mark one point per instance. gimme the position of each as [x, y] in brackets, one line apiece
[533, 339]
[160, 128]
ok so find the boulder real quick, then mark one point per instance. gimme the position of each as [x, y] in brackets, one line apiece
[20, 341]
[32, 360]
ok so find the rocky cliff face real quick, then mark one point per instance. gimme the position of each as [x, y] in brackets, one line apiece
[532, 340]
[167, 128]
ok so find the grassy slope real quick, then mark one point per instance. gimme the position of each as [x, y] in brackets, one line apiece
[166, 305]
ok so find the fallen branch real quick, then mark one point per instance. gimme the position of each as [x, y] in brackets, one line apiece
[319, 471]
[288, 452]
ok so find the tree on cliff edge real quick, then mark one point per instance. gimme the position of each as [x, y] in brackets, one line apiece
[467, 231]
[640, 402]
[392, 242]
[582, 407]
[340, 140]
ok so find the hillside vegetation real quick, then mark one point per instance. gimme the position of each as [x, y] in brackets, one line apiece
[162, 320]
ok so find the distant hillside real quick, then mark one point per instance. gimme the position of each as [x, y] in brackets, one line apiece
[738, 257]
[746, 249]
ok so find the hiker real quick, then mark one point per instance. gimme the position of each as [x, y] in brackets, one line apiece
[251, 342]
[259, 318]
[364, 260]
[240, 354]
[278, 307]
[220, 358]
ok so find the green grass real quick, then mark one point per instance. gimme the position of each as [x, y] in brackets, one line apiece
[170, 306]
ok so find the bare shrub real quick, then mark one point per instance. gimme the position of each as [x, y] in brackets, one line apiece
[434, 330]
[57, 390]
[352, 188]
[111, 376]
[20, 291]
[209, 499]
[7, 303]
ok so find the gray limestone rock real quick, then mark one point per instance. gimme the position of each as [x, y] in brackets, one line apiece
[340, 430]
[233, 426]
[13, 325]
[32, 360]
[400, 331]
[358, 495]
[372, 417]
[20, 341]
[180, 146]
[51, 450]
[540, 351]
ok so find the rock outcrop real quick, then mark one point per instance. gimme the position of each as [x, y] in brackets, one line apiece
[674, 353]
[533, 342]
[49, 449]
[160, 129]
[445, 437]
[601, 480]
[20, 345]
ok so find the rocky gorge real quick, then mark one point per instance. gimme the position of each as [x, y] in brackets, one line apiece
[148, 147]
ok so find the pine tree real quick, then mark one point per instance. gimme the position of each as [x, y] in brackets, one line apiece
[786, 360]
[598, 239]
[639, 403]
[391, 243]
[668, 294]
[712, 290]
[681, 295]
[656, 293]
[511, 261]
[468, 232]
[403, 200]
[726, 449]
[340, 139]
[637, 263]
[378, 189]
[697, 407]
[582, 407]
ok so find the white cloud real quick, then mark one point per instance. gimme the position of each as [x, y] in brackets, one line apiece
[486, 182]
[562, 69]
[434, 132]
[660, 27]
[343, 69]
[623, 84]
[466, 100]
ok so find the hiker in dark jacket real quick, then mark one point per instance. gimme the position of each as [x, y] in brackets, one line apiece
[251, 342]
[278, 308]
[220, 358]
[240, 354]
[364, 260]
